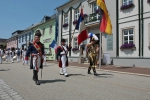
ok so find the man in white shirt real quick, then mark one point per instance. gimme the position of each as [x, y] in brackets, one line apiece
[62, 51]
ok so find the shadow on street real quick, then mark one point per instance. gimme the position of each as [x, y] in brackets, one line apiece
[76, 75]
[51, 81]
[104, 75]
[4, 69]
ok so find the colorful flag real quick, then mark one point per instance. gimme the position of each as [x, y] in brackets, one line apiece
[82, 29]
[105, 22]
[53, 44]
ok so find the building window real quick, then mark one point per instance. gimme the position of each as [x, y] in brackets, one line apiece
[66, 41]
[149, 33]
[66, 18]
[26, 37]
[29, 36]
[19, 39]
[76, 14]
[75, 43]
[127, 2]
[128, 36]
[22, 38]
[50, 30]
[43, 31]
[96, 10]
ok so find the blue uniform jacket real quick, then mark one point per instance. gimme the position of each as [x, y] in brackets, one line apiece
[31, 49]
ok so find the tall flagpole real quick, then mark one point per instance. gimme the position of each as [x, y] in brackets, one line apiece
[100, 46]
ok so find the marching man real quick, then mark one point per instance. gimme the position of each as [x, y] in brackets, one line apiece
[62, 51]
[36, 50]
[23, 56]
[12, 55]
[92, 53]
[7, 55]
[18, 53]
[1, 54]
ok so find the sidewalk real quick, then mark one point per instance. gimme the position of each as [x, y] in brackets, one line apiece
[135, 70]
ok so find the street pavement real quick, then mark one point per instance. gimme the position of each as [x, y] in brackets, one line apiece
[16, 84]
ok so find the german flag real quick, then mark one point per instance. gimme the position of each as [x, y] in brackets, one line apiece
[105, 22]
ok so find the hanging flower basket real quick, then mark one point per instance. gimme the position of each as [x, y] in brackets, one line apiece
[75, 22]
[123, 7]
[128, 46]
[97, 11]
[75, 49]
[85, 15]
[65, 25]
[148, 1]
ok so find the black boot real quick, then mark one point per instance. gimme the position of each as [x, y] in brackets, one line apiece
[36, 78]
[94, 70]
[89, 69]
[34, 75]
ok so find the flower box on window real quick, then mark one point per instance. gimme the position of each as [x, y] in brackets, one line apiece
[65, 25]
[85, 15]
[128, 46]
[75, 49]
[75, 22]
[148, 1]
[123, 7]
[97, 11]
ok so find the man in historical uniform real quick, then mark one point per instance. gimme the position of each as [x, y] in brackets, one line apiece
[62, 52]
[36, 50]
[1, 54]
[92, 53]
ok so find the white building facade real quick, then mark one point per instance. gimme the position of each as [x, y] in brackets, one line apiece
[133, 27]
[68, 14]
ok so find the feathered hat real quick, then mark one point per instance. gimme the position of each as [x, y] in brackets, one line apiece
[92, 37]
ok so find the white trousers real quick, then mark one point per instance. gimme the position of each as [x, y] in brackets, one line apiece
[1, 59]
[18, 58]
[12, 60]
[63, 70]
[7, 58]
[36, 62]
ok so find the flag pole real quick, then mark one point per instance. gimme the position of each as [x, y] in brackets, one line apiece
[100, 46]
[75, 28]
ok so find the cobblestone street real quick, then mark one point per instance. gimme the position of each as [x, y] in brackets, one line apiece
[16, 84]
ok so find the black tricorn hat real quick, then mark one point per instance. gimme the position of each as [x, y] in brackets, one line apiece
[63, 40]
[38, 33]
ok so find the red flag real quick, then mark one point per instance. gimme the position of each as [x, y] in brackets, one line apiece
[82, 29]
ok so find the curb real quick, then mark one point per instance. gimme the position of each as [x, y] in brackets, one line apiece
[137, 74]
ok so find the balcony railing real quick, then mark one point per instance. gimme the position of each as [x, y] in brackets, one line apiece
[92, 18]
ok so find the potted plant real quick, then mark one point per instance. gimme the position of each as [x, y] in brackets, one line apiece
[75, 22]
[85, 15]
[97, 11]
[65, 25]
[128, 46]
[123, 7]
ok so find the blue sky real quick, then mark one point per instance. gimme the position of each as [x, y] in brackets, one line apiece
[20, 14]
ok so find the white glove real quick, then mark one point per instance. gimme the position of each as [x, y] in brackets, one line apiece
[62, 52]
